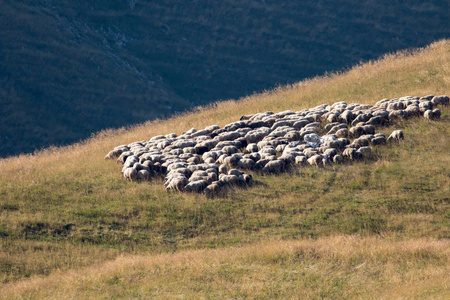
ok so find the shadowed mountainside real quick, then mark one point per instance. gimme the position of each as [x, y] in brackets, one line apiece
[71, 68]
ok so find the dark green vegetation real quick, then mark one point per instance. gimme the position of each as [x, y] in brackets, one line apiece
[70, 68]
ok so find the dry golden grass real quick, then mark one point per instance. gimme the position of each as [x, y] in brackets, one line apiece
[65, 209]
[343, 267]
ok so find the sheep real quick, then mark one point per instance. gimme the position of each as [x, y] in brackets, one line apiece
[268, 150]
[412, 111]
[159, 168]
[212, 189]
[196, 186]
[230, 150]
[122, 157]
[365, 151]
[164, 144]
[198, 178]
[251, 148]
[130, 174]
[329, 126]
[130, 161]
[424, 105]
[182, 170]
[148, 164]
[248, 179]
[315, 126]
[343, 133]
[432, 114]
[229, 180]
[220, 160]
[143, 175]
[347, 116]
[274, 167]
[204, 146]
[396, 115]
[440, 100]
[356, 131]
[315, 160]
[375, 121]
[189, 150]
[396, 136]
[211, 154]
[209, 160]
[260, 164]
[246, 163]
[293, 136]
[255, 156]
[223, 169]
[231, 161]
[428, 114]
[288, 158]
[228, 136]
[280, 148]
[176, 152]
[212, 176]
[235, 172]
[335, 128]
[369, 129]
[265, 135]
[361, 142]
[361, 118]
[280, 124]
[175, 165]
[436, 113]
[241, 143]
[115, 153]
[337, 159]
[378, 140]
[199, 173]
[309, 152]
[300, 124]
[331, 152]
[300, 160]
[333, 117]
[349, 153]
[157, 137]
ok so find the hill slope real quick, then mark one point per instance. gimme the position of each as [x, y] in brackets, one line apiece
[70, 68]
[66, 209]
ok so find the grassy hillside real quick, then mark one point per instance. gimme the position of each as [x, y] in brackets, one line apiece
[70, 68]
[375, 228]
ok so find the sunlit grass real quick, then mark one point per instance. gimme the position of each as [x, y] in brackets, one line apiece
[66, 208]
[330, 268]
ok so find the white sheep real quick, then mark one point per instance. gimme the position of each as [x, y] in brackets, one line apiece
[212, 189]
[274, 167]
[349, 153]
[396, 136]
[300, 160]
[130, 174]
[365, 151]
[315, 160]
[196, 186]
[246, 163]
[143, 175]
[229, 179]
[176, 183]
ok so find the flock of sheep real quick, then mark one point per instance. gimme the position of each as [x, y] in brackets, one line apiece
[207, 160]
